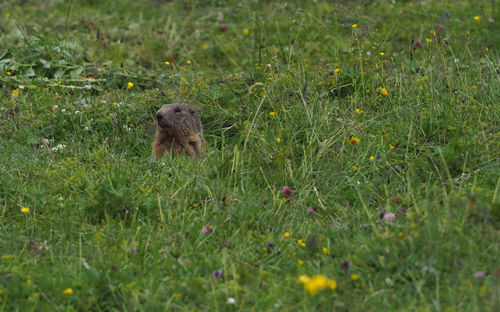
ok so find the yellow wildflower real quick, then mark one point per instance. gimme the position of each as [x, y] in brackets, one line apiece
[410, 5]
[428, 40]
[68, 291]
[354, 167]
[25, 210]
[301, 243]
[246, 32]
[300, 262]
[391, 147]
[15, 92]
[325, 250]
[332, 284]
[8, 73]
[130, 85]
[354, 276]
[384, 91]
[278, 140]
[354, 25]
[477, 18]
[287, 234]
[167, 63]
[316, 283]
[353, 140]
[337, 70]
[382, 53]
[272, 114]
[358, 111]
[188, 62]
[304, 279]
[372, 158]
[204, 46]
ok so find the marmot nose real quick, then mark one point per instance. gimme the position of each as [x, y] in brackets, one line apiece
[159, 116]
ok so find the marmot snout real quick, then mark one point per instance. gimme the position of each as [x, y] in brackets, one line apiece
[179, 129]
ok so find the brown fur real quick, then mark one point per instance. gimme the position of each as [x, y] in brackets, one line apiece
[179, 129]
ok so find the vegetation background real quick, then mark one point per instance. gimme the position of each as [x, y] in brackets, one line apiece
[352, 159]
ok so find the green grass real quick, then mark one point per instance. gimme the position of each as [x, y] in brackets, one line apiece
[124, 232]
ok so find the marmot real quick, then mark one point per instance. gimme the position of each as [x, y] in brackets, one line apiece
[179, 129]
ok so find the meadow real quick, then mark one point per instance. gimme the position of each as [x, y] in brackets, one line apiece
[352, 157]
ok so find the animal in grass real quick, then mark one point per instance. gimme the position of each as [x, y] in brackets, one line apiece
[179, 130]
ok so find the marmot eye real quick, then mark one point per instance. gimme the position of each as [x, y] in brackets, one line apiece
[192, 112]
[177, 110]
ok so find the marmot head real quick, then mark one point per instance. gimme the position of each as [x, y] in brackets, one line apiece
[179, 117]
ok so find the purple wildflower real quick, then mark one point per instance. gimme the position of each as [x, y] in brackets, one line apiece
[270, 245]
[286, 191]
[390, 217]
[133, 250]
[217, 273]
[480, 275]
[491, 20]
[207, 229]
[345, 265]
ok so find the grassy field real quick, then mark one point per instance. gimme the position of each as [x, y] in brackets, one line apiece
[352, 156]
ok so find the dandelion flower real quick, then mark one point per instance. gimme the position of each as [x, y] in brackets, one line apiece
[68, 291]
[428, 40]
[353, 140]
[15, 92]
[316, 283]
[287, 234]
[382, 53]
[354, 25]
[384, 91]
[188, 62]
[130, 85]
[354, 277]
[354, 168]
[272, 114]
[278, 140]
[332, 284]
[25, 210]
[324, 250]
[246, 32]
[410, 5]
[301, 243]
[8, 73]
[477, 18]
[337, 70]
[167, 63]
[372, 158]
[300, 262]
[358, 111]
[391, 147]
